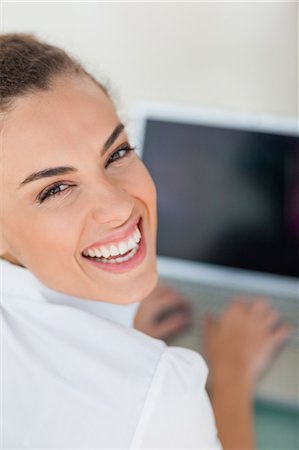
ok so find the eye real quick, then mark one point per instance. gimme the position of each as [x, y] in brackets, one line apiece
[120, 153]
[58, 188]
[54, 190]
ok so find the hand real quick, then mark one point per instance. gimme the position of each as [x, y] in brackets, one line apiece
[244, 340]
[164, 313]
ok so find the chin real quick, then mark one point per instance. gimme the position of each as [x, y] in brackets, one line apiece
[139, 290]
[147, 288]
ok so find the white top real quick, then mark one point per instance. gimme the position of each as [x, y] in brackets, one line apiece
[72, 378]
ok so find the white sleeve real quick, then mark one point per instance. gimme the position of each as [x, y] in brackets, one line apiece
[177, 413]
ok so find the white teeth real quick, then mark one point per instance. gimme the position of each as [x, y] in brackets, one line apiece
[128, 256]
[113, 250]
[105, 252]
[131, 243]
[123, 248]
[138, 234]
[121, 258]
[116, 249]
[97, 252]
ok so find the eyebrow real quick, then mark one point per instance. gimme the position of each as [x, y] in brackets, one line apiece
[62, 170]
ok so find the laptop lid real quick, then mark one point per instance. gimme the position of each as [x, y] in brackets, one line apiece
[228, 194]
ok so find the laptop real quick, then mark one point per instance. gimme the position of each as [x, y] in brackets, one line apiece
[228, 217]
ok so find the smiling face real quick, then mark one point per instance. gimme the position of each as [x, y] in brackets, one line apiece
[90, 206]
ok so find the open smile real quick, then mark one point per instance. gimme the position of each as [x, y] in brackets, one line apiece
[119, 256]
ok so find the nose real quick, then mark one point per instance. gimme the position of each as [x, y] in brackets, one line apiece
[111, 204]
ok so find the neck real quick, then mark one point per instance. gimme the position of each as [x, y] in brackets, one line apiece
[11, 259]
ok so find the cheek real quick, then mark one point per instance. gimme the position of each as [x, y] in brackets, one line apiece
[140, 184]
[60, 231]
[45, 235]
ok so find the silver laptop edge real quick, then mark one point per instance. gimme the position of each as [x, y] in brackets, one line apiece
[226, 277]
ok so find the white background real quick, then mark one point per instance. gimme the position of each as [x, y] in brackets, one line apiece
[240, 56]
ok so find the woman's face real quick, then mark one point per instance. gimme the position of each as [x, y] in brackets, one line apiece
[95, 200]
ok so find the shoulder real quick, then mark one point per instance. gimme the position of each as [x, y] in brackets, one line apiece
[179, 373]
[177, 412]
[185, 362]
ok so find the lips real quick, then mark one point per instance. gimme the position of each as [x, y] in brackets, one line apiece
[120, 264]
[115, 239]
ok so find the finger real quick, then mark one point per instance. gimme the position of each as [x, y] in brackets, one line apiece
[271, 319]
[177, 308]
[280, 336]
[210, 324]
[240, 300]
[260, 306]
[173, 326]
[166, 291]
[209, 332]
[173, 300]
[237, 304]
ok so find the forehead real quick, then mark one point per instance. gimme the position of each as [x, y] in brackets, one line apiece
[50, 126]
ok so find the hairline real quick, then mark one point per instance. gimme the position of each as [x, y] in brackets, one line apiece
[53, 81]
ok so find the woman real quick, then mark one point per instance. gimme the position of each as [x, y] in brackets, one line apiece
[78, 224]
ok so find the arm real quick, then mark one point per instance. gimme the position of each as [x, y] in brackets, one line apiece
[238, 348]
[233, 412]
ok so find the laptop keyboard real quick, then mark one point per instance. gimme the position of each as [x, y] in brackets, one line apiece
[211, 299]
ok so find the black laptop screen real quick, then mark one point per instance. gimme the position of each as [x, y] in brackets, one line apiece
[227, 197]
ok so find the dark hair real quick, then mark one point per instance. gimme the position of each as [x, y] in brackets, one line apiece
[28, 65]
